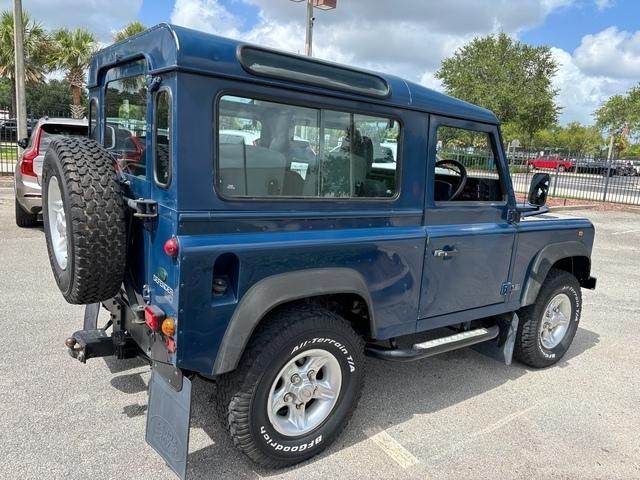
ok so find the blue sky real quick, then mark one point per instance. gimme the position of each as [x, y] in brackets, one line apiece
[595, 42]
[565, 27]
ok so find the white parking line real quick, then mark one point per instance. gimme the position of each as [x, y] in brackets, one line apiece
[626, 231]
[392, 447]
[489, 429]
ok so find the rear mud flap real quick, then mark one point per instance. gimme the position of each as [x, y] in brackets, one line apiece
[168, 418]
[91, 312]
[501, 348]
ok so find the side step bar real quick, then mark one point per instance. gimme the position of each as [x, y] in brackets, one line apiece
[435, 346]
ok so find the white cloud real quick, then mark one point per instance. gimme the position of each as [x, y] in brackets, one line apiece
[579, 93]
[603, 4]
[99, 16]
[410, 38]
[611, 52]
[206, 15]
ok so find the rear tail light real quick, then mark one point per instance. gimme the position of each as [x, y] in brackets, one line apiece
[26, 164]
[171, 247]
[153, 317]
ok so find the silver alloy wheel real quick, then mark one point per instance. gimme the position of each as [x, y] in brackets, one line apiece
[57, 222]
[555, 324]
[304, 392]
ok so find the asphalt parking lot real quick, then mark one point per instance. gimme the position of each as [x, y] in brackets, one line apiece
[460, 415]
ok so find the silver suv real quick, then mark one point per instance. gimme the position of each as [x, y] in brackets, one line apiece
[29, 168]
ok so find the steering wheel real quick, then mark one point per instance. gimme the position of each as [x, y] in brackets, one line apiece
[460, 170]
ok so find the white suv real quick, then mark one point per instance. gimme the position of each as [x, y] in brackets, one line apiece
[29, 168]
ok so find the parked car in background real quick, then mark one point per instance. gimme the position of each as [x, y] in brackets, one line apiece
[624, 168]
[555, 162]
[28, 191]
[9, 129]
[635, 164]
[602, 167]
[591, 165]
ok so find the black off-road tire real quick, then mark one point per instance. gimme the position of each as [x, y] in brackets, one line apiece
[528, 347]
[25, 219]
[242, 395]
[95, 219]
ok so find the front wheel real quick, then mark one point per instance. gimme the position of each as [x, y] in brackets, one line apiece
[547, 328]
[296, 388]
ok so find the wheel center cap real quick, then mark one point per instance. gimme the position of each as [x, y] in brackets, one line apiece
[306, 393]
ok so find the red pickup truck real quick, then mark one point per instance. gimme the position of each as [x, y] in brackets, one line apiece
[552, 161]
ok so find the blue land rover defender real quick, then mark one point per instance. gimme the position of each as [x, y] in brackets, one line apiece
[264, 220]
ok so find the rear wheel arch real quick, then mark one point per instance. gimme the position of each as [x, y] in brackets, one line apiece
[329, 287]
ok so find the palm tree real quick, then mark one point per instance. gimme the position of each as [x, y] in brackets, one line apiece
[74, 49]
[37, 51]
[129, 30]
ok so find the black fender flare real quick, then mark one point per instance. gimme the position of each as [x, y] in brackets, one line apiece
[275, 290]
[543, 262]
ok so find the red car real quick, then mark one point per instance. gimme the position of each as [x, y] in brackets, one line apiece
[554, 162]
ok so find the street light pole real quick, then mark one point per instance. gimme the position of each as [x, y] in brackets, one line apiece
[311, 4]
[308, 43]
[18, 40]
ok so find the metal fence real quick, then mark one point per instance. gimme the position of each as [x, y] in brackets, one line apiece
[581, 178]
[9, 151]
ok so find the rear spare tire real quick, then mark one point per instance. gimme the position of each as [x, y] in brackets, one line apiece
[84, 220]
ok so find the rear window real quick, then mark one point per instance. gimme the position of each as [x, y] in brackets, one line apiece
[125, 131]
[51, 130]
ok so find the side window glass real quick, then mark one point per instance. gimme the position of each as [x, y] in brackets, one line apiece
[466, 168]
[93, 118]
[162, 138]
[268, 149]
[126, 123]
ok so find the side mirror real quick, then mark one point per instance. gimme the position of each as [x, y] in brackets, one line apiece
[539, 189]
[23, 142]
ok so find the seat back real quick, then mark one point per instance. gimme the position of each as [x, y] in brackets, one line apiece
[250, 170]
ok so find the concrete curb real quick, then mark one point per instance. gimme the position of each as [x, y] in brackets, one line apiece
[562, 208]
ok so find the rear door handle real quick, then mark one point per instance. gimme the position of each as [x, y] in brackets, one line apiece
[445, 253]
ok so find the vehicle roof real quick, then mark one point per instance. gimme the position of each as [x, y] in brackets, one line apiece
[64, 121]
[169, 47]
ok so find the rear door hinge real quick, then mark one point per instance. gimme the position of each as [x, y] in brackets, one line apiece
[143, 208]
[508, 287]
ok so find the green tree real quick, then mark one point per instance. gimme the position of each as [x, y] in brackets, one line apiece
[129, 30]
[509, 77]
[619, 118]
[74, 49]
[50, 98]
[37, 51]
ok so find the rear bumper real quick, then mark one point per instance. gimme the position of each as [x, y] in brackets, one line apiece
[28, 193]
